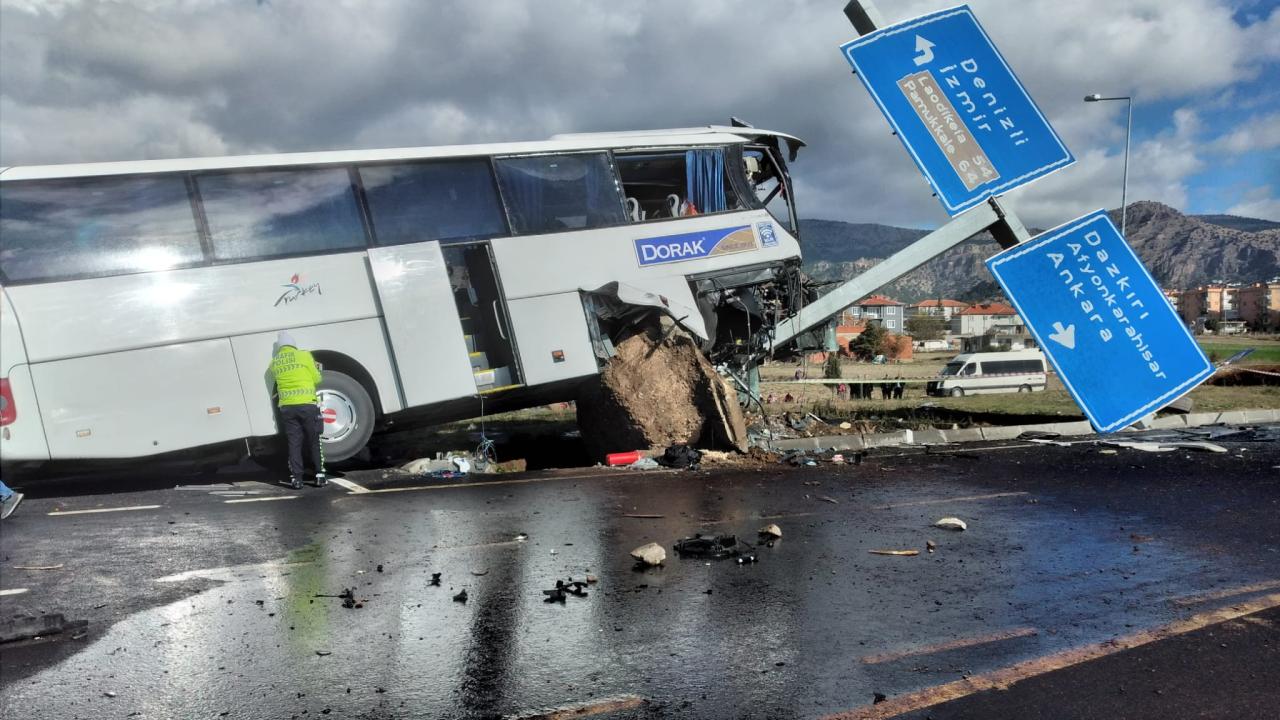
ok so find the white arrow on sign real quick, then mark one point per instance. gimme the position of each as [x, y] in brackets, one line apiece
[1065, 336]
[924, 48]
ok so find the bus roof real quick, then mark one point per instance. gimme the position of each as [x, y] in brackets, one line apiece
[709, 135]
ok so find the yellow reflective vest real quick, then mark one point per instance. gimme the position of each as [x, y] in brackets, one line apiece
[296, 375]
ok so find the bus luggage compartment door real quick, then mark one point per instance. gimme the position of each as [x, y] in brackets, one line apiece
[422, 321]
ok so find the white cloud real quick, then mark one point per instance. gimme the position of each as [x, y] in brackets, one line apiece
[1256, 134]
[1258, 203]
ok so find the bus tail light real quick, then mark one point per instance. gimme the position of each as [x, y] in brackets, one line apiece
[8, 411]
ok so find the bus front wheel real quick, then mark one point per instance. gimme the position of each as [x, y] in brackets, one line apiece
[1024, 388]
[348, 413]
[957, 392]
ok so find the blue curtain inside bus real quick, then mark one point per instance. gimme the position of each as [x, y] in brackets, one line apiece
[704, 180]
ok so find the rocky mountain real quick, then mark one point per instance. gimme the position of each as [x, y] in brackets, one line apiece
[1180, 250]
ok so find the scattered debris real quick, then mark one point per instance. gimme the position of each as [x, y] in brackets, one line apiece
[714, 546]
[1158, 446]
[1107, 451]
[521, 537]
[877, 698]
[480, 573]
[651, 554]
[38, 567]
[681, 457]
[1046, 441]
[905, 553]
[1039, 435]
[379, 567]
[930, 545]
[592, 579]
[435, 579]
[323, 653]
[771, 530]
[831, 500]
[461, 596]
[645, 463]
[109, 694]
[27, 627]
[846, 426]
[951, 523]
[639, 516]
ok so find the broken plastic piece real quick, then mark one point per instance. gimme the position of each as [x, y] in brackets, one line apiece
[651, 554]
[623, 458]
[771, 530]
[461, 596]
[951, 523]
[904, 553]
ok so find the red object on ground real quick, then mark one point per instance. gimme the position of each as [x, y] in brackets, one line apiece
[623, 458]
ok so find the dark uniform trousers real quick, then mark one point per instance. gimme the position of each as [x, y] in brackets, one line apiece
[302, 427]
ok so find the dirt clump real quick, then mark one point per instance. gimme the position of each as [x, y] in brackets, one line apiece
[657, 392]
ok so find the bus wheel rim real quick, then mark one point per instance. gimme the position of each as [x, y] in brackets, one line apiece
[339, 415]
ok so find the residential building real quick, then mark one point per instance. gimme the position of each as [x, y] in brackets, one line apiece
[941, 307]
[883, 311]
[1259, 304]
[978, 319]
[1218, 301]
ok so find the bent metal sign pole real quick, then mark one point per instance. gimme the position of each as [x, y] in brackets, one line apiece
[1117, 344]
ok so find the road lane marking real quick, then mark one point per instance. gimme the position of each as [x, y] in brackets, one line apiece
[349, 485]
[952, 645]
[943, 501]
[1002, 678]
[263, 499]
[782, 516]
[14, 591]
[103, 510]
[1226, 593]
[227, 573]
[585, 709]
[520, 481]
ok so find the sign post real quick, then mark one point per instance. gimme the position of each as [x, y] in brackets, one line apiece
[956, 105]
[1117, 344]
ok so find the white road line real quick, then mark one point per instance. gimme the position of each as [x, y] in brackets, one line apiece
[104, 510]
[15, 591]
[349, 485]
[265, 499]
[943, 501]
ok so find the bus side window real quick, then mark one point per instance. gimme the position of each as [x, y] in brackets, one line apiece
[971, 369]
[554, 193]
[88, 227]
[452, 200]
[270, 213]
[676, 183]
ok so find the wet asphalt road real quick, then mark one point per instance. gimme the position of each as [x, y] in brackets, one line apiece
[204, 608]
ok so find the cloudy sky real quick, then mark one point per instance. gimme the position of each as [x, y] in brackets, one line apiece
[83, 81]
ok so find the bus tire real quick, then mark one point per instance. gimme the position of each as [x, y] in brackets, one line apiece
[350, 415]
[1024, 388]
[957, 392]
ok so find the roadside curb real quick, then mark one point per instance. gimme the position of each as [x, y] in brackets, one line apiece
[1010, 432]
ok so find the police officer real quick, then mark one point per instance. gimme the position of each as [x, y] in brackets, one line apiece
[296, 374]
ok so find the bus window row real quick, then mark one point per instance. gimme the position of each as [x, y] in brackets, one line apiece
[115, 225]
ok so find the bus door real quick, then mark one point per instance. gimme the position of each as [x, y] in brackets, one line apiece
[430, 345]
[481, 309]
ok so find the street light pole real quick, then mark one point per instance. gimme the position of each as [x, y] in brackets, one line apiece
[1128, 133]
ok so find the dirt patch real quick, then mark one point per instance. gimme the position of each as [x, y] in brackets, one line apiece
[655, 393]
[1250, 375]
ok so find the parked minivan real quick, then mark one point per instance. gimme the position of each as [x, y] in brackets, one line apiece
[991, 372]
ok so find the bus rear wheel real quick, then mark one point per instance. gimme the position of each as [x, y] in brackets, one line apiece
[348, 414]
[957, 392]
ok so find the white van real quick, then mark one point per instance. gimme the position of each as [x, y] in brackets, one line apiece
[991, 372]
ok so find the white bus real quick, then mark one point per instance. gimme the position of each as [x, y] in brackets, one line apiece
[991, 372]
[139, 300]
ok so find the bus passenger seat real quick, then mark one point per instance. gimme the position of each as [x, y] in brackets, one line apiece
[633, 210]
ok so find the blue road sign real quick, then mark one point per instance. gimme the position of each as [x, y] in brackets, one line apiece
[1115, 340]
[953, 101]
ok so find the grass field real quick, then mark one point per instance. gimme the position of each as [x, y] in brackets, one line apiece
[1266, 349]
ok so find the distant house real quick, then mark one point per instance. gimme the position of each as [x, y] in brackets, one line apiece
[1216, 300]
[978, 319]
[883, 311]
[1259, 304]
[941, 307]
